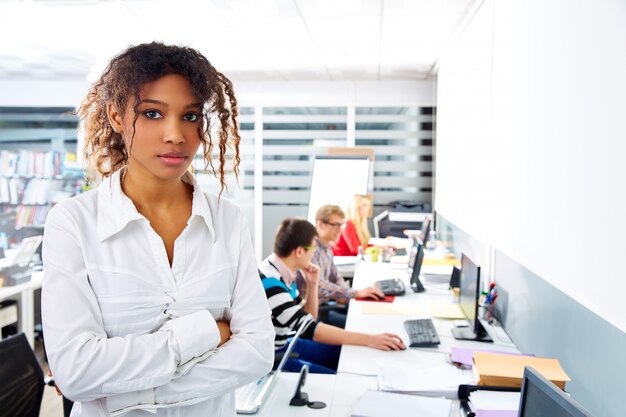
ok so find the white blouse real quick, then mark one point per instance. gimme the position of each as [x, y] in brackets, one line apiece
[125, 333]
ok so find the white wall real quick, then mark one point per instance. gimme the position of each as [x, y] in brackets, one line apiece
[27, 93]
[531, 140]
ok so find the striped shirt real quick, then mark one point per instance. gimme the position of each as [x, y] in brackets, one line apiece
[285, 303]
[332, 286]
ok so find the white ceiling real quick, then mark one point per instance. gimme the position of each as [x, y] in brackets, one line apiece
[247, 39]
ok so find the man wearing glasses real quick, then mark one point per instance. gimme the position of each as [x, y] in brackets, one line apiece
[333, 293]
[319, 344]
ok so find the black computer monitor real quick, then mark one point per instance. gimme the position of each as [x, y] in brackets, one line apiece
[541, 398]
[470, 292]
[416, 258]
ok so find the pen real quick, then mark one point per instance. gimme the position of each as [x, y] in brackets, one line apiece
[493, 299]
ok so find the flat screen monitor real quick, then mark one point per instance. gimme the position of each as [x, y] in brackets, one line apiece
[416, 257]
[425, 230]
[470, 292]
[541, 398]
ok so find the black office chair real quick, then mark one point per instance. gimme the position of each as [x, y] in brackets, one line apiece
[21, 378]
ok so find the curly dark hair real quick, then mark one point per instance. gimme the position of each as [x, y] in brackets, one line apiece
[122, 80]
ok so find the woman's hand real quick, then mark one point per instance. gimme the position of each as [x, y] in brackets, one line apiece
[385, 341]
[225, 332]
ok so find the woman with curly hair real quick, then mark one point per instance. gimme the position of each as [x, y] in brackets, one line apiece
[151, 298]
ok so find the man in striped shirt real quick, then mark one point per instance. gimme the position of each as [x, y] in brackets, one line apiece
[319, 345]
[329, 220]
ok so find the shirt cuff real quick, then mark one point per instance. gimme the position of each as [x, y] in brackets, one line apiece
[195, 334]
[122, 403]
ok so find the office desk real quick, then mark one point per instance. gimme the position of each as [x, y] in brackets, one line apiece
[318, 387]
[420, 364]
[26, 304]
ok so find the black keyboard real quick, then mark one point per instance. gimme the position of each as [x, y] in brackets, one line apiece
[390, 286]
[421, 333]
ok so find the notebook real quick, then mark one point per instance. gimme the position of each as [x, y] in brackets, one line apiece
[250, 397]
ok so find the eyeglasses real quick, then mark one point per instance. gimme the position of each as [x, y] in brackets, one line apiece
[311, 247]
[337, 225]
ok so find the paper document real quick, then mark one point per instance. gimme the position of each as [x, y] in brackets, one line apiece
[385, 404]
[494, 400]
[392, 309]
[496, 413]
[446, 311]
[441, 262]
[464, 356]
[441, 380]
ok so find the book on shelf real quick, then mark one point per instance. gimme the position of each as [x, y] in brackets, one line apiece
[31, 164]
[32, 181]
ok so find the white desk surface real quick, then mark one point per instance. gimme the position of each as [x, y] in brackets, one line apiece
[26, 306]
[319, 388]
[355, 361]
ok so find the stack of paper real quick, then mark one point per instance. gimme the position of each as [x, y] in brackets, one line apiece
[507, 370]
[441, 380]
[495, 403]
[384, 404]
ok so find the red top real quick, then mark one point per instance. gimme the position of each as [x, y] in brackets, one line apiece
[348, 243]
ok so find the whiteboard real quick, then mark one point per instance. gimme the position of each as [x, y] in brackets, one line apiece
[335, 180]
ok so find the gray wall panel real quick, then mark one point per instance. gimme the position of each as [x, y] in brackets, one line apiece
[541, 319]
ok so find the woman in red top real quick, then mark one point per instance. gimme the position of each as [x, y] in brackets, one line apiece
[355, 233]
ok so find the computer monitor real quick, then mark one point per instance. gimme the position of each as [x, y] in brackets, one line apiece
[416, 257]
[425, 230]
[541, 398]
[470, 292]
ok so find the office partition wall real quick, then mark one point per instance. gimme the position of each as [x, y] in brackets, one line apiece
[529, 147]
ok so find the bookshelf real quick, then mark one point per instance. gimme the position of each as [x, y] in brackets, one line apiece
[37, 167]
[32, 181]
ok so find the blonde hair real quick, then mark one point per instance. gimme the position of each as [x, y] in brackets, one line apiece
[360, 223]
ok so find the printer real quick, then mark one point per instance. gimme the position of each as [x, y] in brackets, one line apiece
[17, 269]
[402, 215]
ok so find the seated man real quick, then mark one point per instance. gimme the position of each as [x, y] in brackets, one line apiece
[332, 287]
[319, 344]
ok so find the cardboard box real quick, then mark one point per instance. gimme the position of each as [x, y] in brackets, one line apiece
[507, 370]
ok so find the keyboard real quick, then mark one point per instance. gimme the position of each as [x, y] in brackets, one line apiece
[390, 286]
[247, 398]
[421, 333]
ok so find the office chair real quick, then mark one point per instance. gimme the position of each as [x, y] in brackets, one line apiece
[21, 378]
